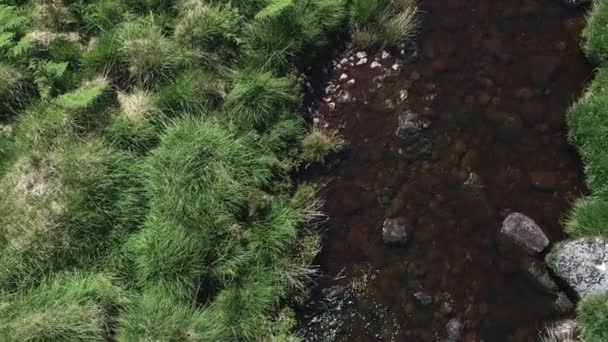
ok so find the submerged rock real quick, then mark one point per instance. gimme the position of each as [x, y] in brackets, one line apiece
[395, 231]
[539, 274]
[473, 181]
[563, 303]
[575, 3]
[583, 264]
[454, 328]
[524, 232]
[333, 292]
[423, 299]
[410, 126]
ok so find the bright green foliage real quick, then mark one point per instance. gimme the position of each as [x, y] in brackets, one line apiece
[155, 141]
[379, 23]
[589, 217]
[257, 98]
[596, 33]
[318, 144]
[68, 307]
[593, 318]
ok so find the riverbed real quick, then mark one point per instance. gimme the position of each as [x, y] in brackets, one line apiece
[491, 82]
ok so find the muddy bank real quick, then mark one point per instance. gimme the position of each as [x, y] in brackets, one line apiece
[489, 83]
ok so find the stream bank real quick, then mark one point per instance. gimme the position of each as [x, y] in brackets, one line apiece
[448, 137]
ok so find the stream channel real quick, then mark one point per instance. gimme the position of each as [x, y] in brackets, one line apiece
[490, 83]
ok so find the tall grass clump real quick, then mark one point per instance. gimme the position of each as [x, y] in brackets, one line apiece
[257, 97]
[319, 143]
[383, 23]
[66, 307]
[596, 33]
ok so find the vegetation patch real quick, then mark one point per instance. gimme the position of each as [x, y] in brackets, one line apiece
[147, 154]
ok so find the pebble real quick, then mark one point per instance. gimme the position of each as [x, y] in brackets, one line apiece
[351, 81]
[395, 67]
[331, 105]
[344, 61]
[423, 298]
[385, 55]
[343, 77]
[403, 94]
[362, 61]
[375, 65]
[361, 54]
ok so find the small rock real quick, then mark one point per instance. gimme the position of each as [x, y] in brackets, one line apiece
[344, 97]
[563, 304]
[539, 274]
[385, 54]
[454, 328]
[343, 77]
[473, 181]
[375, 65]
[331, 293]
[446, 308]
[403, 94]
[583, 264]
[344, 61]
[395, 67]
[361, 61]
[331, 105]
[423, 298]
[524, 232]
[575, 3]
[544, 180]
[395, 231]
[361, 54]
[351, 82]
[409, 126]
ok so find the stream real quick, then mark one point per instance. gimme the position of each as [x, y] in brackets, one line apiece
[490, 82]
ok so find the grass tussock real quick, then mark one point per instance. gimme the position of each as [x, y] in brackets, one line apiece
[588, 127]
[383, 23]
[146, 167]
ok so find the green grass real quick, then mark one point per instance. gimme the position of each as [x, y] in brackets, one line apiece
[383, 23]
[146, 167]
[593, 318]
[588, 130]
[596, 33]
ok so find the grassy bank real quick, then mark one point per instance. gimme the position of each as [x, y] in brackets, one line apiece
[588, 127]
[147, 149]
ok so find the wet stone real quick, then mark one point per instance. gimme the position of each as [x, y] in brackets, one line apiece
[539, 274]
[409, 126]
[524, 232]
[361, 61]
[455, 329]
[563, 304]
[423, 299]
[375, 65]
[583, 265]
[331, 293]
[344, 97]
[361, 54]
[473, 181]
[395, 231]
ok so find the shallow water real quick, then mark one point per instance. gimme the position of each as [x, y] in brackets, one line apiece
[494, 79]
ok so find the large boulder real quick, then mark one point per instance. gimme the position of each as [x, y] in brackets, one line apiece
[524, 232]
[395, 231]
[583, 265]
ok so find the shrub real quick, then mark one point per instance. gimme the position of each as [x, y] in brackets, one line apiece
[67, 307]
[318, 144]
[258, 98]
[380, 23]
[593, 317]
[596, 33]
[13, 89]
[52, 15]
[104, 15]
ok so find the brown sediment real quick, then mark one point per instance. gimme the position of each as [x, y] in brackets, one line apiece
[494, 80]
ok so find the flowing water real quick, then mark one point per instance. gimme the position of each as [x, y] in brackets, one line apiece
[494, 80]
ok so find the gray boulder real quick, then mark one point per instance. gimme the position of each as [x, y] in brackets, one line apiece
[395, 231]
[524, 232]
[583, 264]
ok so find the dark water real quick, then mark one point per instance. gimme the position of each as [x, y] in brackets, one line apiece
[494, 78]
